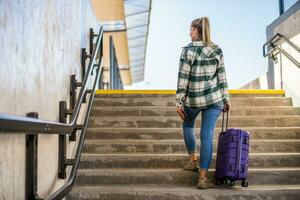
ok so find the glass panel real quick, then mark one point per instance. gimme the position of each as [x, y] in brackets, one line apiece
[137, 25]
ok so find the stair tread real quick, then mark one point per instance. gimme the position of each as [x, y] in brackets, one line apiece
[168, 107]
[176, 117]
[176, 128]
[178, 176]
[167, 141]
[249, 98]
[182, 188]
[164, 181]
[160, 170]
[174, 95]
[186, 192]
[86, 155]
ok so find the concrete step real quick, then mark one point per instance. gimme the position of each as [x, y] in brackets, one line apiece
[261, 160]
[175, 121]
[178, 146]
[170, 101]
[162, 177]
[169, 111]
[273, 133]
[138, 192]
[174, 95]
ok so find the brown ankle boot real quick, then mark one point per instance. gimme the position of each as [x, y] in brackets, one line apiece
[192, 165]
[203, 183]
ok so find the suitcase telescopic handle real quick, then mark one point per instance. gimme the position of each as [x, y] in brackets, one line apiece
[226, 121]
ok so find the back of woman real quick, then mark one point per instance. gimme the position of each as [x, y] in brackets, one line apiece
[202, 67]
[201, 87]
[201, 78]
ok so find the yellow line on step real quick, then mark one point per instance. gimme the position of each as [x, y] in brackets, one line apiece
[135, 91]
[255, 91]
[251, 91]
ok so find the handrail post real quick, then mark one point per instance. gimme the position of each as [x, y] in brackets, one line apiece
[73, 94]
[100, 84]
[83, 59]
[31, 163]
[62, 142]
[92, 36]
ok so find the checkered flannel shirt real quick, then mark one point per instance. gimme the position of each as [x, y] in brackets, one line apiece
[201, 77]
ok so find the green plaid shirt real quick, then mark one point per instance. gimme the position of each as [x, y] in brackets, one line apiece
[201, 77]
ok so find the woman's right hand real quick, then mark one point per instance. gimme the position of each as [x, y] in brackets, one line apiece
[181, 112]
[227, 106]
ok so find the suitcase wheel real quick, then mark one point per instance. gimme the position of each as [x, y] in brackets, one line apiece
[244, 183]
[228, 182]
[218, 182]
[225, 181]
[231, 183]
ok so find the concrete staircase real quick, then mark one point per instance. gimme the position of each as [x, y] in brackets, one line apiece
[134, 149]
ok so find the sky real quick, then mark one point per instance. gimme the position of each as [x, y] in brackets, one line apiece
[237, 26]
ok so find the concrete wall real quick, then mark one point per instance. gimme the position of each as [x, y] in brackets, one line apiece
[40, 44]
[290, 72]
[258, 83]
[288, 25]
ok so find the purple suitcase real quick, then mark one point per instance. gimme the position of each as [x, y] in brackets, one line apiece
[232, 156]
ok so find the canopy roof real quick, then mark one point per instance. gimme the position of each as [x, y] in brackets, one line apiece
[137, 14]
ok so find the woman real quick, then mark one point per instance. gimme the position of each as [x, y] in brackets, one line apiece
[201, 87]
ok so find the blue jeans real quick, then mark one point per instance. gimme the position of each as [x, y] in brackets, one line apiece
[209, 118]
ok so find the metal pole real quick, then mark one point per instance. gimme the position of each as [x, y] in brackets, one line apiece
[281, 81]
[115, 71]
[111, 62]
[281, 7]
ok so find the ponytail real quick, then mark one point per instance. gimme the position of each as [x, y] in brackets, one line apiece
[206, 32]
[203, 27]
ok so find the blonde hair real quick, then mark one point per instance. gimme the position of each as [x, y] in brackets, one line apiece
[203, 27]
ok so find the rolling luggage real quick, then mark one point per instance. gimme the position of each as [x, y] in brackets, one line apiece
[232, 156]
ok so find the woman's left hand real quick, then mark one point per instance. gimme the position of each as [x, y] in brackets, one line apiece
[227, 106]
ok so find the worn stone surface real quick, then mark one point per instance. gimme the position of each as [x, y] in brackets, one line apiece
[176, 177]
[178, 146]
[175, 121]
[170, 111]
[134, 149]
[138, 192]
[176, 133]
[173, 95]
[170, 101]
[147, 160]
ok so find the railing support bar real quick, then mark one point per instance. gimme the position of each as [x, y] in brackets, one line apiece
[31, 163]
[62, 142]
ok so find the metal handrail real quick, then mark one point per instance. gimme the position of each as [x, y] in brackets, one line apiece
[274, 49]
[64, 190]
[14, 123]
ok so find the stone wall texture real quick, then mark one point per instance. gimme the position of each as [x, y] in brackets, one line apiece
[40, 42]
